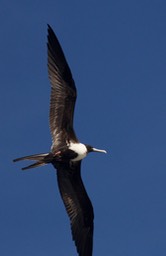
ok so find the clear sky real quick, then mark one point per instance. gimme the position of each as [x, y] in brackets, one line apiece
[117, 54]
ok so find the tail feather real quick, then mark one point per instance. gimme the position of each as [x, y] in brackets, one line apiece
[37, 164]
[41, 159]
[32, 157]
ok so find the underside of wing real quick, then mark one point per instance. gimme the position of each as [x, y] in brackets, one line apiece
[78, 206]
[63, 92]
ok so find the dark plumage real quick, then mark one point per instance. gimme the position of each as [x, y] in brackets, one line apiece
[66, 151]
[63, 90]
[78, 206]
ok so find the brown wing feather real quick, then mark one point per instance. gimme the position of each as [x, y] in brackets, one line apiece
[63, 93]
[78, 206]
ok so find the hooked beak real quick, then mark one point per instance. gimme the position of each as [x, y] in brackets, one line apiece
[99, 150]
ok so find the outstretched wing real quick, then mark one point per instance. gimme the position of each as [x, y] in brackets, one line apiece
[78, 206]
[63, 93]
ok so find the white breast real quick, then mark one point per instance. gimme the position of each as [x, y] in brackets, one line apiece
[80, 149]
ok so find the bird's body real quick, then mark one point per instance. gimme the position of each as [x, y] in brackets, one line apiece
[66, 150]
[80, 149]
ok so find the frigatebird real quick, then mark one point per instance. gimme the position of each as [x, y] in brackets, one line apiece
[66, 151]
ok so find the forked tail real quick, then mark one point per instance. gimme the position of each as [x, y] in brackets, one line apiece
[41, 159]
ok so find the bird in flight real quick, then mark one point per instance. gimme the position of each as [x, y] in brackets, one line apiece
[66, 151]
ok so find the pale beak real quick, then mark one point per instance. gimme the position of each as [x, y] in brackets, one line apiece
[99, 150]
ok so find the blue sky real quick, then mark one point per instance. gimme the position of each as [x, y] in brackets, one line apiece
[117, 54]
